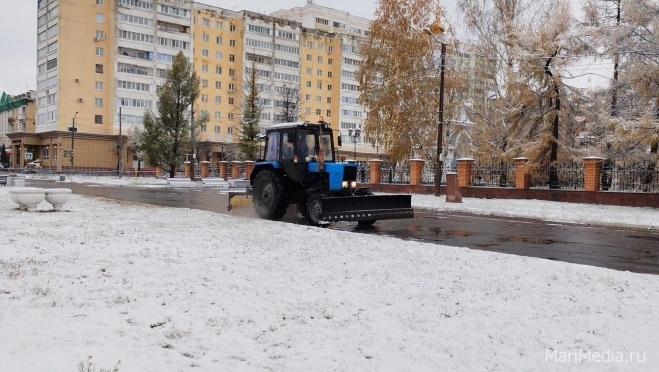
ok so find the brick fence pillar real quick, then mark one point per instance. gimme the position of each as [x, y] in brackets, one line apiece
[249, 167]
[375, 165]
[522, 176]
[416, 171]
[235, 169]
[223, 169]
[592, 173]
[204, 168]
[453, 194]
[159, 171]
[464, 171]
[187, 167]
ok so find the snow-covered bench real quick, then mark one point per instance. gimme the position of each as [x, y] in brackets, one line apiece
[3, 180]
[238, 184]
[215, 182]
[180, 182]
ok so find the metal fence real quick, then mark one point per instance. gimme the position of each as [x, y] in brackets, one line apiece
[502, 175]
[398, 173]
[634, 177]
[570, 176]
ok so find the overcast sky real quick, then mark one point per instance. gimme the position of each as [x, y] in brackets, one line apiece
[18, 33]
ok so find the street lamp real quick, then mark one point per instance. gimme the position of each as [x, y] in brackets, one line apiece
[354, 140]
[73, 130]
[437, 28]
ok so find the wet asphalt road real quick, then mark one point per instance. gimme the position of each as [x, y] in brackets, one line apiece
[610, 247]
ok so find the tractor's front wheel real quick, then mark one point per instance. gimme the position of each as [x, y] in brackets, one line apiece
[270, 196]
[314, 209]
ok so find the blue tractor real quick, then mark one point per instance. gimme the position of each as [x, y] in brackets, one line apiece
[299, 167]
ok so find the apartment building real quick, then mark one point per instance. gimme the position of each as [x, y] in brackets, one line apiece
[350, 31]
[17, 114]
[100, 62]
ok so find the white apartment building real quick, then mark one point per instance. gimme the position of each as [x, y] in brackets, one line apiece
[353, 30]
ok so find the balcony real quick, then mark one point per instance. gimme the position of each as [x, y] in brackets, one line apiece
[134, 53]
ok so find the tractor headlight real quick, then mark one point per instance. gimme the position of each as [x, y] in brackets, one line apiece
[349, 184]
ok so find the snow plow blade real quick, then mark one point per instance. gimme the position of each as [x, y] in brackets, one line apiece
[366, 208]
[243, 198]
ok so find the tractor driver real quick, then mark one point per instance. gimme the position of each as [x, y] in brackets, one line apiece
[287, 150]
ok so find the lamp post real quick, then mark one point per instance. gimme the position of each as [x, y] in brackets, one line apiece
[357, 132]
[73, 130]
[437, 28]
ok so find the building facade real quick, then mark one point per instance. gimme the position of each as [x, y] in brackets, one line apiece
[100, 63]
[17, 115]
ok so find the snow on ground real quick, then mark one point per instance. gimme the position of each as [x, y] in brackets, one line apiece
[164, 289]
[536, 209]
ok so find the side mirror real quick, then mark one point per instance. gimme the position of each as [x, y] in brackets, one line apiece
[339, 140]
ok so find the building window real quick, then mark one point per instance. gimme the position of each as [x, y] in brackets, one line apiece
[204, 98]
[218, 25]
[218, 55]
[206, 22]
[232, 28]
[232, 43]
[218, 115]
[232, 87]
[218, 85]
[204, 52]
[329, 100]
[232, 72]
[99, 68]
[230, 116]
[98, 85]
[203, 127]
[308, 84]
[99, 2]
[100, 18]
[329, 74]
[204, 68]
[99, 52]
[98, 119]
[98, 102]
[232, 58]
[307, 97]
[204, 83]
[330, 49]
[309, 57]
[45, 155]
[328, 113]
[309, 44]
[319, 99]
[100, 35]
[329, 86]
[217, 127]
[319, 72]
[319, 85]
[319, 112]
[320, 59]
[329, 61]
[218, 99]
[218, 40]
[205, 37]
[307, 110]
[231, 100]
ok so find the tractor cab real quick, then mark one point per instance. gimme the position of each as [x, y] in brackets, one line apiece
[294, 145]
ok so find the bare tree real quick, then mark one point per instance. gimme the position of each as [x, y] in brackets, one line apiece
[288, 105]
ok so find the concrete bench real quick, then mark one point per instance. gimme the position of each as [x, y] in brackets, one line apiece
[180, 182]
[239, 184]
[215, 182]
[3, 180]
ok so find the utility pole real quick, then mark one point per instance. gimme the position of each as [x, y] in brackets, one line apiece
[437, 28]
[121, 143]
[194, 152]
[73, 130]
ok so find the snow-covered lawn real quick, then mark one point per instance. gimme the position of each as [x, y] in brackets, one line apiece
[164, 289]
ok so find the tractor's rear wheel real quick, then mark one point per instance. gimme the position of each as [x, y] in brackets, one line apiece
[314, 209]
[270, 196]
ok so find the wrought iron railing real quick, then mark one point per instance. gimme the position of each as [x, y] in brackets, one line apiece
[395, 173]
[570, 176]
[636, 177]
[502, 175]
